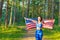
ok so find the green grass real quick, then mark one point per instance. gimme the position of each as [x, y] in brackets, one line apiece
[53, 34]
[17, 33]
[11, 33]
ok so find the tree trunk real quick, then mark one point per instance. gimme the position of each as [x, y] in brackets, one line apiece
[52, 9]
[11, 14]
[49, 8]
[14, 12]
[27, 11]
[23, 8]
[33, 9]
[59, 13]
[46, 9]
[1, 5]
[6, 18]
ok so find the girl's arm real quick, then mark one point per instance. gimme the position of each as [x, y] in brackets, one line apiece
[30, 19]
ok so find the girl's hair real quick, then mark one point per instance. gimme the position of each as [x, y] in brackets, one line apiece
[40, 17]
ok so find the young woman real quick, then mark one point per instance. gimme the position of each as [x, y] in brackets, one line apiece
[39, 32]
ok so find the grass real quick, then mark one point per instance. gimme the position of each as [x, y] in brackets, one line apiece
[53, 34]
[11, 33]
[17, 33]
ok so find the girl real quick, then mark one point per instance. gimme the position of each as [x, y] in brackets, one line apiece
[39, 32]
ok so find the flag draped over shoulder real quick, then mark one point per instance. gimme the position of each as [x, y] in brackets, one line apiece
[46, 23]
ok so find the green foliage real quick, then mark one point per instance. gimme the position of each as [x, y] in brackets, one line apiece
[36, 8]
[16, 33]
[11, 32]
[52, 34]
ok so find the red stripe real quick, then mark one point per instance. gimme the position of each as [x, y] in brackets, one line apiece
[47, 24]
[29, 26]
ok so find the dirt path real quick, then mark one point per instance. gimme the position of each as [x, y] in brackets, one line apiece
[30, 35]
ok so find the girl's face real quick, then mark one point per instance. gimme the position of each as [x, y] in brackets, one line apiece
[39, 18]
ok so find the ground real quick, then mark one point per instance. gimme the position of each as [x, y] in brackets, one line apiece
[30, 35]
[14, 33]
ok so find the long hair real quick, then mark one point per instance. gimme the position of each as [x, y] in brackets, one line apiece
[40, 17]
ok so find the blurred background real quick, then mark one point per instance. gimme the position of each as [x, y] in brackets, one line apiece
[12, 13]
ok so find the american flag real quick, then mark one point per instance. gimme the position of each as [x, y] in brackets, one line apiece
[49, 23]
[46, 23]
[30, 24]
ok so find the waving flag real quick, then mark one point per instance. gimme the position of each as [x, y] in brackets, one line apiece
[46, 23]
[30, 24]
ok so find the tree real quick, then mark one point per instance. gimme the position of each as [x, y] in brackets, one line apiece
[6, 18]
[39, 7]
[33, 8]
[27, 11]
[14, 17]
[23, 8]
[10, 22]
[53, 3]
[59, 13]
[1, 5]
[46, 9]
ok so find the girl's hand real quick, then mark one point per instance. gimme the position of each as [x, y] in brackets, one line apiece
[30, 19]
[26, 18]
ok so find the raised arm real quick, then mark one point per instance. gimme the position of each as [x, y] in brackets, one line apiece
[30, 19]
[34, 21]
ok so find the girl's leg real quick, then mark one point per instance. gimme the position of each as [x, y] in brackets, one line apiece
[36, 35]
[40, 36]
